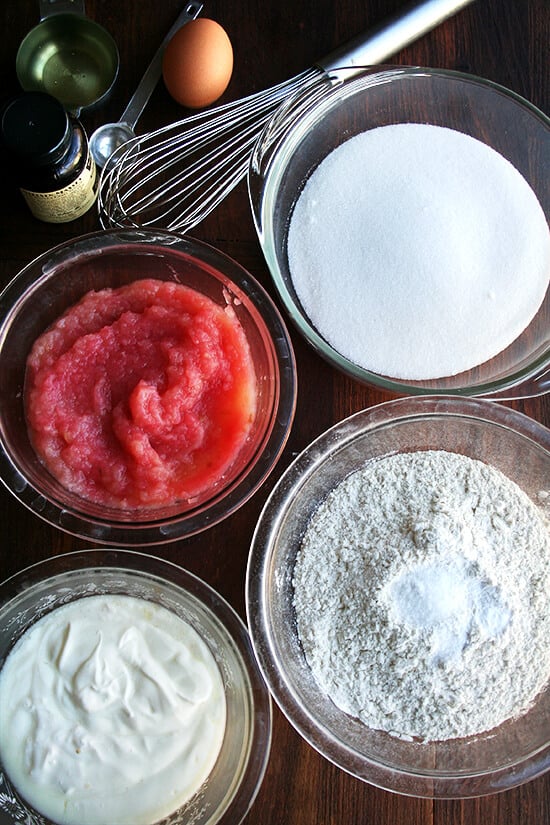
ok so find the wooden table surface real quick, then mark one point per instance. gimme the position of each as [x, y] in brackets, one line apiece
[503, 40]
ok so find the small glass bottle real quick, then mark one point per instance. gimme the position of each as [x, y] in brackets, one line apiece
[54, 168]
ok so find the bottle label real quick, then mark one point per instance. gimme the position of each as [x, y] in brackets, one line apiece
[68, 203]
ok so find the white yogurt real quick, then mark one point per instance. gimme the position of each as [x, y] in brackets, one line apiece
[112, 710]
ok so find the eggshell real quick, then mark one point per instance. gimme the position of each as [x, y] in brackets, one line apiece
[198, 63]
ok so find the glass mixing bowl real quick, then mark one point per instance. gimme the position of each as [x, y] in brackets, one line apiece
[56, 280]
[513, 753]
[230, 789]
[314, 123]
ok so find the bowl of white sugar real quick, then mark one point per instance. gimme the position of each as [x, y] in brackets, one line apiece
[129, 694]
[397, 596]
[403, 214]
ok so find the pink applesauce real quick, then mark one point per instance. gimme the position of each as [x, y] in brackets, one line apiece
[142, 395]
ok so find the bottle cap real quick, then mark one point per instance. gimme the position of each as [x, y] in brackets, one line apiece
[36, 128]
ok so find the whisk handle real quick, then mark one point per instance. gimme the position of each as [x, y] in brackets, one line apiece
[390, 36]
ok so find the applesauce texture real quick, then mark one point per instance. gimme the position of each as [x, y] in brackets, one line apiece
[141, 396]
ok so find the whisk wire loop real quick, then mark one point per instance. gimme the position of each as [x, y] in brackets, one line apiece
[176, 175]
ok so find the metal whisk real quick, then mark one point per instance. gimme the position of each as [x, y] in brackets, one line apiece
[175, 176]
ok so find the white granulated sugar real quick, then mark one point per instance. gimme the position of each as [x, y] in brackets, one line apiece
[418, 252]
[421, 596]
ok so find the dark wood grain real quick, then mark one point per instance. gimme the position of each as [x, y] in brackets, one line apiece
[504, 40]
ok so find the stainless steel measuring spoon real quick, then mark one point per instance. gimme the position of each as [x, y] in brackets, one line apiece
[110, 136]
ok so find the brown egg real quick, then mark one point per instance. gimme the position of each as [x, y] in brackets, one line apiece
[198, 63]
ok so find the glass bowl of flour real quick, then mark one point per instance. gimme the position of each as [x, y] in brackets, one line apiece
[397, 596]
[403, 214]
[129, 694]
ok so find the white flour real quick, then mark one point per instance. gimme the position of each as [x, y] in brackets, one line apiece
[417, 251]
[421, 596]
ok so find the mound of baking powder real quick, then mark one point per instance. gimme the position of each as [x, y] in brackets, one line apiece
[421, 596]
[418, 251]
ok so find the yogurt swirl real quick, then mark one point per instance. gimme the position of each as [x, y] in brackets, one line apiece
[112, 710]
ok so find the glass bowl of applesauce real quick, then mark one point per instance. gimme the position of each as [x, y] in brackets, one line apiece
[149, 385]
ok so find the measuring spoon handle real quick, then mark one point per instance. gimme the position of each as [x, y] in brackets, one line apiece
[139, 99]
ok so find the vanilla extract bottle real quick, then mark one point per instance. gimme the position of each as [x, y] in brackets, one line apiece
[47, 149]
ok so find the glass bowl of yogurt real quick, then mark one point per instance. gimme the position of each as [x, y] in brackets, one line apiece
[403, 214]
[130, 694]
[150, 386]
[397, 596]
